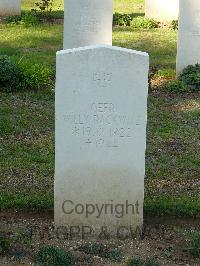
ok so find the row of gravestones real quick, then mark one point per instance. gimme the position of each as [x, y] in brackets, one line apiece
[157, 9]
[91, 24]
[188, 11]
[101, 116]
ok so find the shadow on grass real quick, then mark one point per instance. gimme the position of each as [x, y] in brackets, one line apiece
[135, 15]
[47, 39]
[29, 42]
[55, 14]
[159, 44]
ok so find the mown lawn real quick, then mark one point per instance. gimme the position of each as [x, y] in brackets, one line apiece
[122, 6]
[27, 122]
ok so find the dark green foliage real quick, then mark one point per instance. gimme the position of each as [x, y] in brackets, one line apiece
[23, 75]
[44, 9]
[140, 262]
[53, 256]
[151, 262]
[14, 243]
[168, 251]
[44, 5]
[10, 74]
[135, 262]
[27, 19]
[110, 251]
[174, 25]
[42, 12]
[30, 19]
[194, 245]
[121, 19]
[178, 206]
[188, 81]
[13, 19]
[21, 201]
[144, 23]
[191, 77]
[5, 243]
[176, 86]
[35, 76]
[139, 22]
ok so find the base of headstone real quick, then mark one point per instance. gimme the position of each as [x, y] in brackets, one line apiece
[188, 50]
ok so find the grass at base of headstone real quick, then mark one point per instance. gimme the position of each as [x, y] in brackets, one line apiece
[27, 202]
[176, 206]
[179, 206]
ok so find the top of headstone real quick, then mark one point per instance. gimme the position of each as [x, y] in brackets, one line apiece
[108, 47]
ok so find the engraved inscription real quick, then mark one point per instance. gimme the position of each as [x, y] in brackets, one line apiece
[98, 119]
[87, 24]
[102, 107]
[85, 6]
[102, 78]
[102, 126]
[195, 32]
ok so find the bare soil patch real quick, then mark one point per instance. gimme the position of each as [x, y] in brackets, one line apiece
[163, 239]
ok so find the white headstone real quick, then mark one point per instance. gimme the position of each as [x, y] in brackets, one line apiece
[87, 22]
[10, 7]
[101, 115]
[162, 10]
[188, 52]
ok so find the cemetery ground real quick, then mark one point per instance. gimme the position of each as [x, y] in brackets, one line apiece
[27, 148]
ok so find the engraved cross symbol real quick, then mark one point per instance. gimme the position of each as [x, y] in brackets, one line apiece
[88, 141]
[75, 131]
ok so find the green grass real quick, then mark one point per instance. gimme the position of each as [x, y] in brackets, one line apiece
[159, 43]
[129, 6]
[27, 123]
[39, 44]
[28, 202]
[27, 5]
[122, 6]
[27, 154]
[180, 206]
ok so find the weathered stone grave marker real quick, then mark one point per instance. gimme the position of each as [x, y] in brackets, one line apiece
[101, 115]
[162, 10]
[87, 22]
[188, 52]
[10, 7]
